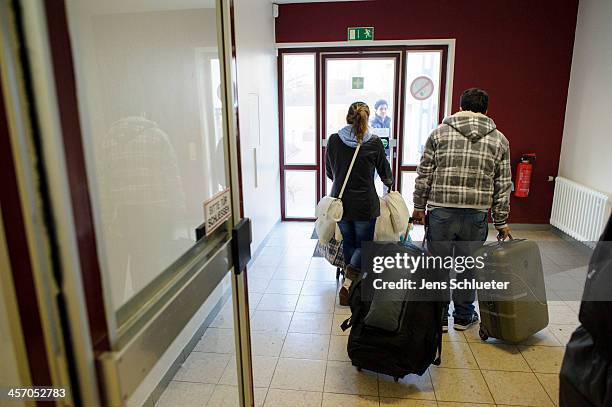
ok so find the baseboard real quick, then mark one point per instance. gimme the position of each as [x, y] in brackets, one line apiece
[178, 362]
[526, 226]
[262, 244]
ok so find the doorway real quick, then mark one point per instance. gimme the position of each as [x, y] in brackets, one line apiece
[404, 86]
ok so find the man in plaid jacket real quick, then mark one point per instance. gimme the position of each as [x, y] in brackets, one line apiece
[464, 171]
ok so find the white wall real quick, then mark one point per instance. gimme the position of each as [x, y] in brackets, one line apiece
[257, 87]
[587, 136]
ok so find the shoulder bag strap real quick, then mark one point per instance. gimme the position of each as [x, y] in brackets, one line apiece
[349, 171]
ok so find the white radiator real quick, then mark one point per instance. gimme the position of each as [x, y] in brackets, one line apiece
[578, 211]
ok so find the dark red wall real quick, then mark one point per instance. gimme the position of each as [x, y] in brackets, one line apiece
[520, 52]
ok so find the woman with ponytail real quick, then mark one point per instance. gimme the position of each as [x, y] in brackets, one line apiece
[359, 200]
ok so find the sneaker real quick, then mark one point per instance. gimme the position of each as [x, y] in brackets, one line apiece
[461, 324]
[445, 324]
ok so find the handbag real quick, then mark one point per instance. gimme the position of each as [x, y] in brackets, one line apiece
[332, 252]
[330, 210]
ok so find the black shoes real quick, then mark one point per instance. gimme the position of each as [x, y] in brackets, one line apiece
[461, 324]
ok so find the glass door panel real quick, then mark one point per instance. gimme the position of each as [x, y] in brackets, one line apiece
[299, 136]
[299, 109]
[156, 112]
[300, 193]
[370, 79]
[421, 108]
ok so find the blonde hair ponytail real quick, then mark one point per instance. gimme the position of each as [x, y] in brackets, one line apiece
[358, 116]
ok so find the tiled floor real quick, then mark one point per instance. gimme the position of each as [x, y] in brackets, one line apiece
[299, 351]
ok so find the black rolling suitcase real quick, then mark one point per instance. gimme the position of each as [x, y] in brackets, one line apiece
[394, 337]
[517, 313]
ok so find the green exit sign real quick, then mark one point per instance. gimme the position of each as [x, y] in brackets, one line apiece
[361, 33]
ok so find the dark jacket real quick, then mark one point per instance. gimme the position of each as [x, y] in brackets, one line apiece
[360, 200]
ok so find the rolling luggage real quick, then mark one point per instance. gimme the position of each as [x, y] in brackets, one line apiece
[515, 314]
[398, 336]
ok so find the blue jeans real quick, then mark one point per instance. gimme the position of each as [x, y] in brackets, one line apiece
[447, 227]
[353, 233]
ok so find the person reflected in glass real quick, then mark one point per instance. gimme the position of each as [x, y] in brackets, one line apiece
[359, 200]
[381, 120]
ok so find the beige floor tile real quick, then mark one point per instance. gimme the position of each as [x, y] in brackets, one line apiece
[225, 319]
[311, 323]
[284, 287]
[409, 387]
[322, 304]
[560, 313]
[263, 272]
[263, 369]
[463, 385]
[457, 355]
[258, 285]
[291, 273]
[338, 320]
[337, 348]
[185, 394]
[216, 340]
[342, 377]
[386, 401]
[348, 400]
[227, 396]
[543, 359]
[543, 338]
[293, 398]
[453, 336]
[254, 299]
[305, 346]
[563, 333]
[499, 357]
[267, 261]
[455, 404]
[277, 302]
[203, 368]
[550, 382]
[319, 288]
[341, 310]
[299, 374]
[516, 388]
[266, 343]
[274, 321]
[321, 274]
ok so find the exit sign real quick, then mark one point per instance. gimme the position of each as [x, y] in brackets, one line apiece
[361, 33]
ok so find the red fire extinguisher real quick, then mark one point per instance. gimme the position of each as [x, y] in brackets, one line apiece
[523, 175]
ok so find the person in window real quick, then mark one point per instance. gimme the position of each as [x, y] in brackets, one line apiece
[359, 200]
[381, 120]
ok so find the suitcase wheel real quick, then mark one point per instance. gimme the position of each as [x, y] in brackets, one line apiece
[484, 335]
[359, 368]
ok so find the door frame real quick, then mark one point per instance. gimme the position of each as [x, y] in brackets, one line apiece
[326, 50]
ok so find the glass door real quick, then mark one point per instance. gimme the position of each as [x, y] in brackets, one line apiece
[135, 109]
[405, 88]
[367, 77]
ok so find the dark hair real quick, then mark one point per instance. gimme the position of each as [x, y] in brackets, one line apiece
[379, 103]
[475, 100]
[358, 116]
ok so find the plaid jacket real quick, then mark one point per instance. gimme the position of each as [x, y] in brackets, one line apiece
[466, 164]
